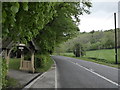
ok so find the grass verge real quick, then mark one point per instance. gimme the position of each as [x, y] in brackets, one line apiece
[91, 60]
[12, 83]
[45, 64]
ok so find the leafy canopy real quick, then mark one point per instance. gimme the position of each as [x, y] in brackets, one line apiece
[22, 21]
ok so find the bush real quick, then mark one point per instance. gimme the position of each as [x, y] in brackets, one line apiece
[39, 60]
[42, 62]
[4, 73]
[98, 59]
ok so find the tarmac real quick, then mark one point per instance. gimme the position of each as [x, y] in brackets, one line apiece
[46, 80]
[34, 80]
[23, 77]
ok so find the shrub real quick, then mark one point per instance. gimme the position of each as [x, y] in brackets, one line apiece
[42, 62]
[4, 73]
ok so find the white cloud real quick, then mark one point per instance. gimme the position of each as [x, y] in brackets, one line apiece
[101, 18]
[105, 0]
[89, 24]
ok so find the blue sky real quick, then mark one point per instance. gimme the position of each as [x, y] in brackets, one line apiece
[101, 17]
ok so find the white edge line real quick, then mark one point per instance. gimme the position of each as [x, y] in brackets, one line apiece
[106, 66]
[29, 85]
[55, 73]
[98, 74]
[97, 63]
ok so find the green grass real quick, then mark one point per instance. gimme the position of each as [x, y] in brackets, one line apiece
[105, 57]
[14, 63]
[108, 54]
[12, 83]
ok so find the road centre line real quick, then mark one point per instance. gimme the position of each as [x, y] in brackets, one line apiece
[96, 74]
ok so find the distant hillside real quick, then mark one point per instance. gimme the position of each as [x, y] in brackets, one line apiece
[93, 40]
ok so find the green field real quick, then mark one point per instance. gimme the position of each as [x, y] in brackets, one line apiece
[105, 56]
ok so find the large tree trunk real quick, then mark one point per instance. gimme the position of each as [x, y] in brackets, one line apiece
[77, 53]
[77, 50]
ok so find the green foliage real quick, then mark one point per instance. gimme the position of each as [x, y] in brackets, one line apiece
[15, 8]
[47, 23]
[25, 6]
[60, 29]
[93, 40]
[4, 73]
[43, 62]
[12, 83]
[14, 64]
[78, 50]
[95, 46]
[23, 21]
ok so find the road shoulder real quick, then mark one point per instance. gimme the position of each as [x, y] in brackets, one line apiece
[46, 80]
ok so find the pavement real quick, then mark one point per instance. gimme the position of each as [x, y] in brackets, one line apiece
[36, 80]
[75, 73]
[23, 77]
[47, 80]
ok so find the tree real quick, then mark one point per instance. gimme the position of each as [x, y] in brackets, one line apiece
[100, 40]
[77, 50]
[47, 23]
[22, 21]
[60, 29]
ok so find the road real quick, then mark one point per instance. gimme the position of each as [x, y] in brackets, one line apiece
[74, 73]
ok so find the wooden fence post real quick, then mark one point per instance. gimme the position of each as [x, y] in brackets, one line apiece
[32, 61]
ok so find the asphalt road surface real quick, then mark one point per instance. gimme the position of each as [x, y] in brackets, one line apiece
[75, 73]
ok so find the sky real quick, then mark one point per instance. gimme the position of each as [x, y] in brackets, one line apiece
[101, 17]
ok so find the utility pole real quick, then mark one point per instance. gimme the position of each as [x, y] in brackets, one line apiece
[116, 61]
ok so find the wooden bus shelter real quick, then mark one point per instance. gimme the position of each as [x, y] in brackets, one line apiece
[8, 45]
[26, 64]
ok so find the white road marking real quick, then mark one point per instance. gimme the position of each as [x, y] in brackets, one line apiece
[55, 74]
[40, 77]
[106, 66]
[55, 77]
[91, 69]
[94, 63]
[96, 74]
[29, 85]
